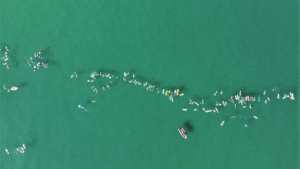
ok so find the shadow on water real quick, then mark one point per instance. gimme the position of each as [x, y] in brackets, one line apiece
[189, 126]
[51, 62]
[141, 79]
[253, 94]
[155, 83]
[80, 72]
[132, 71]
[107, 71]
[31, 143]
[23, 84]
[89, 102]
[3, 45]
[46, 52]
[181, 88]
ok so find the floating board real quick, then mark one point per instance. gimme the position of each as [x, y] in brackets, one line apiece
[14, 88]
[222, 123]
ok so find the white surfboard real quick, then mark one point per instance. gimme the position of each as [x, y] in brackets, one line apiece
[222, 123]
[13, 88]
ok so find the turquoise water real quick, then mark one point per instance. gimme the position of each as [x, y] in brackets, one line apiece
[200, 47]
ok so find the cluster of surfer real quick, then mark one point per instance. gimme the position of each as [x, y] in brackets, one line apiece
[237, 99]
[5, 58]
[94, 75]
[151, 88]
[242, 100]
[19, 149]
[36, 61]
[103, 75]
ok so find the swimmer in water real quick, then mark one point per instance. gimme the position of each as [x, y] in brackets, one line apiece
[247, 125]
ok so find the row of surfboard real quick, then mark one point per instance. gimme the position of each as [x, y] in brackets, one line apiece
[223, 122]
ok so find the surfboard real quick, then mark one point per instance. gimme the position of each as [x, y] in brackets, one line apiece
[222, 123]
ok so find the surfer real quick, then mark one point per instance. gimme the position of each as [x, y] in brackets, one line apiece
[215, 93]
[125, 74]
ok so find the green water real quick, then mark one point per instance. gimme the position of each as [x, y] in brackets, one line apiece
[199, 47]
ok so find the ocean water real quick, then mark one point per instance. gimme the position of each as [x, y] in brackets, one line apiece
[198, 46]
